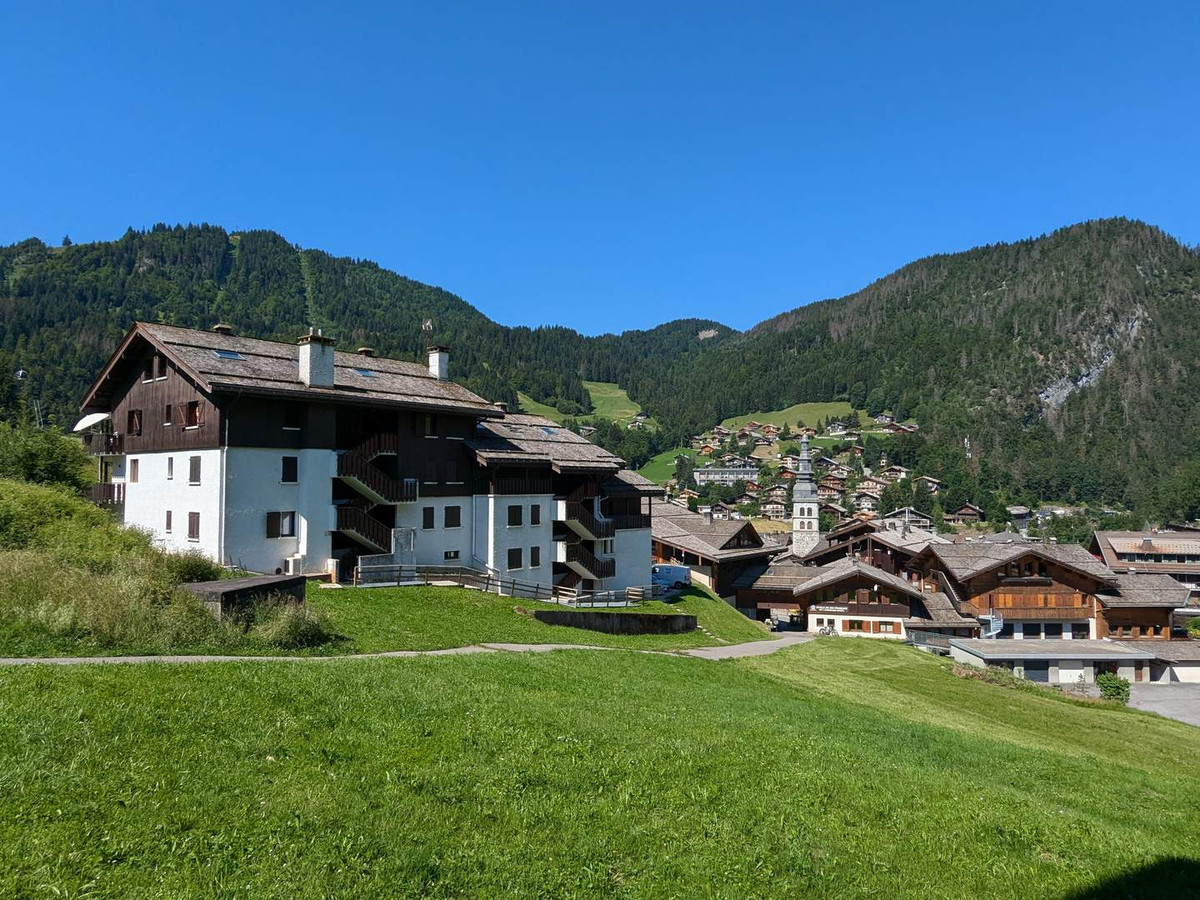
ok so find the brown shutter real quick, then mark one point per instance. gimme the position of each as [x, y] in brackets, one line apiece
[272, 524]
[194, 469]
[194, 526]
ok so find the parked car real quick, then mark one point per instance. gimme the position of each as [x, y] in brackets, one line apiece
[671, 576]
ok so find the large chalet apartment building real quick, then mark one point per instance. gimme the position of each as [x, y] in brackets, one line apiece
[299, 458]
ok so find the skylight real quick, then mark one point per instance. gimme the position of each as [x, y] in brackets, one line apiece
[228, 354]
[366, 373]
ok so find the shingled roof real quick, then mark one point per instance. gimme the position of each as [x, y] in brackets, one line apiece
[525, 440]
[686, 530]
[272, 368]
[965, 561]
[1146, 591]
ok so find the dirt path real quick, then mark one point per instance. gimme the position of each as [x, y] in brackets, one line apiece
[729, 651]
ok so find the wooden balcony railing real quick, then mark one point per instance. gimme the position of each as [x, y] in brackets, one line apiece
[107, 494]
[597, 528]
[353, 520]
[597, 568]
[393, 490]
[631, 520]
[534, 484]
[104, 444]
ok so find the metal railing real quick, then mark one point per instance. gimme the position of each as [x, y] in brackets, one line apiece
[356, 521]
[493, 582]
[597, 528]
[393, 490]
[104, 444]
[929, 640]
[107, 494]
[596, 567]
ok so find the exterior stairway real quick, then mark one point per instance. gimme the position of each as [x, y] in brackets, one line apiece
[583, 562]
[364, 528]
[355, 469]
[582, 522]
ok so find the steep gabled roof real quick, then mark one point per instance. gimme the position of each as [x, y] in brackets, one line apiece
[686, 530]
[965, 561]
[272, 368]
[1147, 591]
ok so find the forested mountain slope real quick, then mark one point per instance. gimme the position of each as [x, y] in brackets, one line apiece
[1069, 361]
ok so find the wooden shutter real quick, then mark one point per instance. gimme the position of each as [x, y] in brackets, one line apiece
[194, 470]
[193, 526]
[272, 524]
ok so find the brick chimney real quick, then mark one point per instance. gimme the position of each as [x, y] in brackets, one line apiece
[316, 359]
[439, 363]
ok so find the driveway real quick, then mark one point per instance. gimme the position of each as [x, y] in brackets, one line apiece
[1175, 701]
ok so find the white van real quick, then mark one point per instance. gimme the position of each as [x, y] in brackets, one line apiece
[671, 576]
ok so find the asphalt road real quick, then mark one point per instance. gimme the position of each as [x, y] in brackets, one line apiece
[1175, 701]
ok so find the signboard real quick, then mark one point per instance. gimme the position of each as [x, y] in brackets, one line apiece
[829, 608]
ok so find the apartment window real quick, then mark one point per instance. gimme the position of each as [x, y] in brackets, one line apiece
[193, 470]
[431, 472]
[1053, 630]
[134, 466]
[452, 476]
[535, 557]
[160, 366]
[193, 526]
[855, 625]
[281, 524]
[514, 515]
[1080, 631]
[450, 555]
[293, 416]
[290, 473]
[1031, 630]
[148, 369]
[133, 422]
[452, 517]
[167, 527]
[194, 414]
[427, 520]
[514, 558]
[535, 514]
[887, 627]
[170, 468]
[167, 414]
[429, 425]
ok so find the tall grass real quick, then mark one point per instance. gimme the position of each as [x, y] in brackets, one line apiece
[72, 580]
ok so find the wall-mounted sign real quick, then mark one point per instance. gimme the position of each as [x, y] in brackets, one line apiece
[830, 608]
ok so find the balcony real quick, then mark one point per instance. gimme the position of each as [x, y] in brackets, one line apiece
[581, 521]
[99, 444]
[631, 520]
[358, 472]
[583, 562]
[364, 528]
[535, 484]
[107, 494]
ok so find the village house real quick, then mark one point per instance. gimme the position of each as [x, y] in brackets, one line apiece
[1019, 517]
[907, 515]
[775, 510]
[1174, 552]
[715, 552]
[967, 514]
[884, 419]
[895, 473]
[872, 485]
[931, 484]
[725, 474]
[300, 459]
[721, 511]
[865, 501]
[835, 429]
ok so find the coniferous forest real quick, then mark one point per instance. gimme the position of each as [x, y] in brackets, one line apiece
[1064, 367]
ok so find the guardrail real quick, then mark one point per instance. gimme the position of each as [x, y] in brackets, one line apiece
[393, 490]
[104, 444]
[597, 568]
[631, 520]
[107, 494]
[937, 642]
[463, 576]
[355, 520]
[523, 485]
[597, 528]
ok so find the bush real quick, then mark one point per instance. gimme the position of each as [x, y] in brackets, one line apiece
[1113, 687]
[43, 456]
[288, 626]
[1193, 627]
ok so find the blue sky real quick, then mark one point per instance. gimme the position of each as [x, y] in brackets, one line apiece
[604, 166]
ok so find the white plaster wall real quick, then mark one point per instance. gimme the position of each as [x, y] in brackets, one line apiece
[963, 656]
[631, 549]
[502, 536]
[432, 543]
[148, 499]
[1188, 673]
[253, 487]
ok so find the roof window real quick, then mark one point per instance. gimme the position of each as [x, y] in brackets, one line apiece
[367, 373]
[228, 354]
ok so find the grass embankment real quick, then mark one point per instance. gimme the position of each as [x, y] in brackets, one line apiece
[72, 582]
[661, 468]
[821, 771]
[431, 618]
[808, 413]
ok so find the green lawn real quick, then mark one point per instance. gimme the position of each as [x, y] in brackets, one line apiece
[431, 618]
[840, 768]
[531, 406]
[661, 468]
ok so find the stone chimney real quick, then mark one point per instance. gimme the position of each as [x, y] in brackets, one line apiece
[439, 363]
[501, 405]
[708, 517]
[316, 359]
[222, 328]
[365, 351]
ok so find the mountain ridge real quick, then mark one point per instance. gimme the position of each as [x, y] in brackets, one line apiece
[1018, 347]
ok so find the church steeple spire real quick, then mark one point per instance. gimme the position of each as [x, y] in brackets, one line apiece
[806, 525]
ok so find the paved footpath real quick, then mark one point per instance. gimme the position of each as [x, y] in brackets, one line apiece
[729, 651]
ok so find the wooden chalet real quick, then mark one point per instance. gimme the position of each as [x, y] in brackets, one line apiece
[967, 514]
[715, 551]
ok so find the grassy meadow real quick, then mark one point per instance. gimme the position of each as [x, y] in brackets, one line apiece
[808, 413]
[661, 468]
[839, 768]
[609, 401]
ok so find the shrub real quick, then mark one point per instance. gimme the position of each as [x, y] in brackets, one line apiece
[1113, 687]
[288, 626]
[1193, 627]
[43, 456]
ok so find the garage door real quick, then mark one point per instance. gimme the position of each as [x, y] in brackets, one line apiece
[1037, 671]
